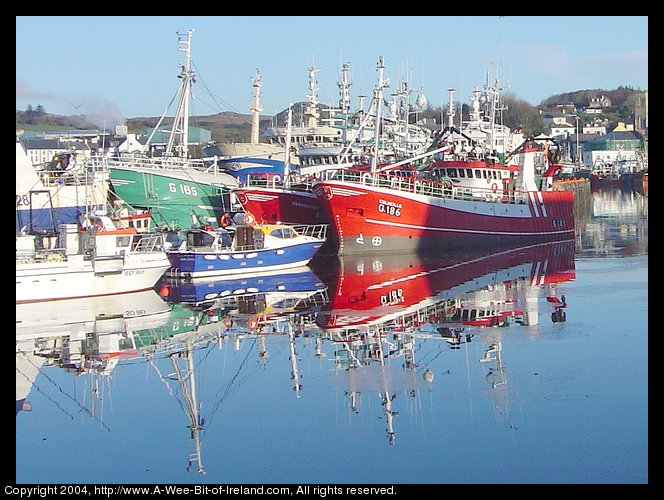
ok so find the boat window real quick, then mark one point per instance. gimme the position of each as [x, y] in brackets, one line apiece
[225, 239]
[469, 173]
[478, 173]
[484, 173]
[199, 239]
[494, 175]
[283, 232]
[451, 172]
[122, 241]
[462, 173]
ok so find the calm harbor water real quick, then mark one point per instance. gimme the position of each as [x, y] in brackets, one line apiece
[518, 366]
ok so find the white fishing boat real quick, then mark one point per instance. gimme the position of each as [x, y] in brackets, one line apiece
[97, 260]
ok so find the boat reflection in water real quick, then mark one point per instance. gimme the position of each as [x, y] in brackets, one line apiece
[88, 335]
[92, 336]
[382, 307]
[361, 314]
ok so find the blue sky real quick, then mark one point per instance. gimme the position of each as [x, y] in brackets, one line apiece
[124, 67]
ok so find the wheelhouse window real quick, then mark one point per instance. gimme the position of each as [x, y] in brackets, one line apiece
[199, 239]
[283, 232]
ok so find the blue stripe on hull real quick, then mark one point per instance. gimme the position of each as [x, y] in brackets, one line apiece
[197, 291]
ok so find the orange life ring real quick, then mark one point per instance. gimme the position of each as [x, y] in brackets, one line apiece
[252, 324]
[228, 322]
[225, 220]
[249, 219]
[494, 187]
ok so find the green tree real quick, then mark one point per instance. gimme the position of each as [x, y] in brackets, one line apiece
[521, 115]
[29, 114]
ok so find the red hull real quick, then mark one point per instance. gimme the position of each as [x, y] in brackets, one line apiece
[374, 289]
[277, 205]
[369, 218]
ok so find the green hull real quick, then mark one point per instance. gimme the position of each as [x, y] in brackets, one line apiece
[170, 199]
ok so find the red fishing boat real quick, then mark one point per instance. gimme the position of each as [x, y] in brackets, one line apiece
[382, 211]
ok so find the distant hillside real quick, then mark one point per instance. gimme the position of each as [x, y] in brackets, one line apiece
[622, 96]
[224, 127]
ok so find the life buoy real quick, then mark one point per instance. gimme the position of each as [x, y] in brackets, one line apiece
[249, 219]
[228, 322]
[225, 220]
[494, 187]
[252, 324]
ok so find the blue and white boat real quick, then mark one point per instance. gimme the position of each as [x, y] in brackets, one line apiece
[56, 193]
[204, 251]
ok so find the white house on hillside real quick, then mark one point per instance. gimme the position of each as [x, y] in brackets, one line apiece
[562, 129]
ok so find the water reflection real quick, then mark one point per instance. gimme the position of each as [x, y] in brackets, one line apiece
[382, 307]
[618, 224]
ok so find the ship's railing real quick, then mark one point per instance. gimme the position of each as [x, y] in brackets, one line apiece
[41, 255]
[430, 187]
[147, 242]
[277, 181]
[318, 231]
[84, 175]
[154, 162]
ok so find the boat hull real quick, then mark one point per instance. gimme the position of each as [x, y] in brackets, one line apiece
[189, 264]
[79, 278]
[172, 199]
[370, 218]
[279, 205]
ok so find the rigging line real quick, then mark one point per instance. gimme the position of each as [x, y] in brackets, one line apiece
[33, 384]
[204, 86]
[424, 359]
[83, 408]
[228, 390]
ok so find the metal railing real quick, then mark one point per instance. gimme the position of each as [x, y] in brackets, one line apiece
[318, 231]
[430, 187]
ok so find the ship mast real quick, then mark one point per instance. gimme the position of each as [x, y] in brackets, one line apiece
[287, 146]
[344, 99]
[378, 99]
[311, 111]
[181, 121]
[256, 108]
